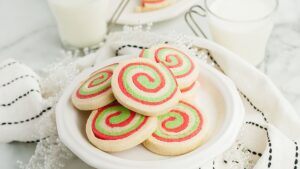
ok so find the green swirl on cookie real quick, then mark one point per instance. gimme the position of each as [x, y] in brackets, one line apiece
[98, 83]
[114, 122]
[181, 123]
[147, 83]
[177, 61]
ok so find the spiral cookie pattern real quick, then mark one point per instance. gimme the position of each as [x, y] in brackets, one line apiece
[114, 122]
[183, 122]
[116, 128]
[99, 82]
[181, 128]
[96, 91]
[178, 61]
[145, 87]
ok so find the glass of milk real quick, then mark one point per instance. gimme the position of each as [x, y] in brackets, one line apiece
[243, 26]
[81, 23]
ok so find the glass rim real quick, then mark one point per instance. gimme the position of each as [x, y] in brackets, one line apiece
[242, 21]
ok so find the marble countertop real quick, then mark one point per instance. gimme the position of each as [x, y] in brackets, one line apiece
[28, 33]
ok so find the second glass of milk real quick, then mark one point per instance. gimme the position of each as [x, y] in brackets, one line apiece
[243, 26]
[81, 23]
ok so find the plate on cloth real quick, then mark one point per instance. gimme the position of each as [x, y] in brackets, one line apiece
[131, 17]
[217, 98]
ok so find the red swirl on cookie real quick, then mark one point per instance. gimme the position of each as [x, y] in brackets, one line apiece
[141, 84]
[95, 91]
[178, 61]
[113, 122]
[181, 123]
[98, 83]
[180, 130]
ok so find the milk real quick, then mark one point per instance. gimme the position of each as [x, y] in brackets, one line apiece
[242, 26]
[81, 23]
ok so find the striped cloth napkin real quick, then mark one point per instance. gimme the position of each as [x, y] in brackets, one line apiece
[21, 103]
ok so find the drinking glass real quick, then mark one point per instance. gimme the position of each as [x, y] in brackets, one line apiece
[244, 34]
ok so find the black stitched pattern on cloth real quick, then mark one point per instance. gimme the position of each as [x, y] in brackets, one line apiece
[27, 120]
[18, 78]
[269, 141]
[245, 97]
[296, 155]
[254, 107]
[254, 152]
[8, 64]
[37, 141]
[129, 46]
[234, 161]
[19, 97]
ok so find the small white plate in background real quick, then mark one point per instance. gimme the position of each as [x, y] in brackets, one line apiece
[131, 17]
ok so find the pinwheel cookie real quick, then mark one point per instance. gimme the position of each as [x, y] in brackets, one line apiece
[150, 5]
[114, 128]
[177, 60]
[179, 131]
[96, 91]
[144, 86]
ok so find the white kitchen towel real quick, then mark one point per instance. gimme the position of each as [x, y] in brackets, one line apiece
[21, 103]
[270, 135]
[271, 122]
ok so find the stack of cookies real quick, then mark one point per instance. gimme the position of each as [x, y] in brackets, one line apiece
[144, 100]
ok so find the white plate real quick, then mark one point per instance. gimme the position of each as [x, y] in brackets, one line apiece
[217, 99]
[131, 17]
